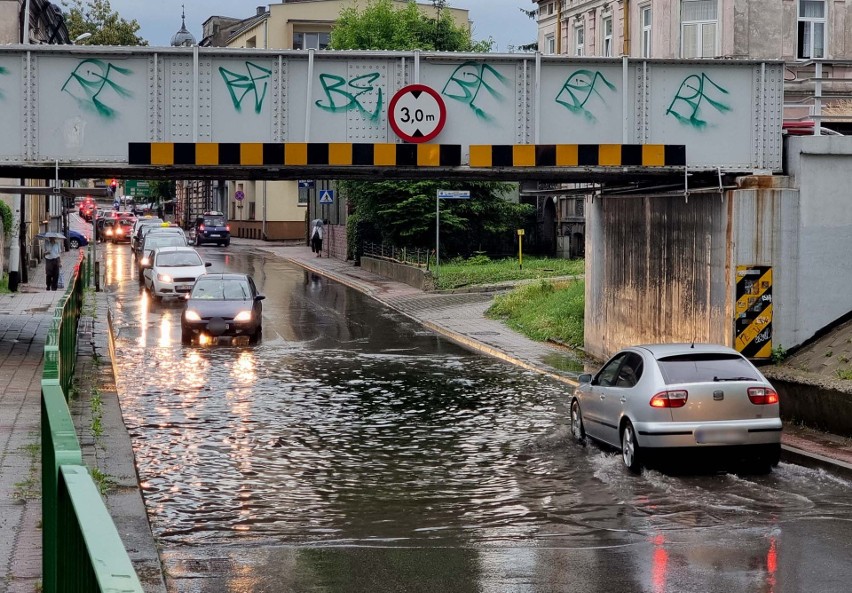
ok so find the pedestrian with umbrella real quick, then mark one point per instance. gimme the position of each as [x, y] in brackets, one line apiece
[52, 263]
[316, 236]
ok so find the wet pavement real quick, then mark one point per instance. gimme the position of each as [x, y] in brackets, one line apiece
[542, 515]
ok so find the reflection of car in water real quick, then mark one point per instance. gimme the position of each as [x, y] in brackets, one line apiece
[211, 227]
[686, 399]
[222, 305]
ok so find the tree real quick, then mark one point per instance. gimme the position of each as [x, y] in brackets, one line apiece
[105, 25]
[403, 213]
[382, 26]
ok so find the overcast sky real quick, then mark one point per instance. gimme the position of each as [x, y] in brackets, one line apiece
[160, 19]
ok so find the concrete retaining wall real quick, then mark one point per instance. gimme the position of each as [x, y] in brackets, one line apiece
[410, 275]
[816, 406]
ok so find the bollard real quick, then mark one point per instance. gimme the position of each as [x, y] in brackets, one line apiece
[97, 276]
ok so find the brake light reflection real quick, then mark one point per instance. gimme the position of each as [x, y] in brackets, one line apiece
[659, 564]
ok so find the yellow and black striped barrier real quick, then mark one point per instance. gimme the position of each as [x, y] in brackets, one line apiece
[248, 154]
[577, 155]
[273, 154]
[753, 323]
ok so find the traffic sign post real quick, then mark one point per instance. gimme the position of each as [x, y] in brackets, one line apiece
[520, 249]
[417, 113]
[446, 194]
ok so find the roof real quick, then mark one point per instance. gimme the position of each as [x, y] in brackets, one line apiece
[662, 350]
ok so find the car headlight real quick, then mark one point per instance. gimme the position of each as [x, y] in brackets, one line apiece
[164, 278]
[191, 315]
[243, 316]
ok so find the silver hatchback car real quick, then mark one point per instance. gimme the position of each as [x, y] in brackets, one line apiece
[679, 396]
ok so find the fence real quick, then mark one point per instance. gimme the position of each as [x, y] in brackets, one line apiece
[81, 548]
[417, 256]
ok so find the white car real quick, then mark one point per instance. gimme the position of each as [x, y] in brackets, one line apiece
[680, 398]
[173, 271]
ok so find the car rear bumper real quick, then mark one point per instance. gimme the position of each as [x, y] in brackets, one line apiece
[726, 433]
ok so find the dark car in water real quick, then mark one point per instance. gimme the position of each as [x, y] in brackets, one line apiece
[222, 305]
[211, 227]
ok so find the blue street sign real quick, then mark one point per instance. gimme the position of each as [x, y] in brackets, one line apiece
[453, 194]
[326, 196]
[306, 182]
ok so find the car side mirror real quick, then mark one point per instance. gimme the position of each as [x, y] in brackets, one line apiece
[585, 378]
[259, 297]
[207, 264]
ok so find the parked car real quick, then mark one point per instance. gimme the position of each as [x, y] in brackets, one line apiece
[211, 227]
[682, 398]
[76, 239]
[173, 271]
[151, 242]
[223, 305]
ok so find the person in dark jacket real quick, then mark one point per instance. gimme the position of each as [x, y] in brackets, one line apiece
[316, 236]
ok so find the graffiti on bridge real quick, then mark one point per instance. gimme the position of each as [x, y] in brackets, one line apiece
[466, 82]
[91, 78]
[579, 89]
[695, 89]
[240, 85]
[342, 95]
[3, 72]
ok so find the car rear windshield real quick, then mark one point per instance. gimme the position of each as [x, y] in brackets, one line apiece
[228, 290]
[169, 240]
[706, 368]
[214, 221]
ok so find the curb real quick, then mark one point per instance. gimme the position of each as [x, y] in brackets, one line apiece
[798, 456]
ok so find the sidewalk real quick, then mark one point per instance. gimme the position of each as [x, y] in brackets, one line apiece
[24, 320]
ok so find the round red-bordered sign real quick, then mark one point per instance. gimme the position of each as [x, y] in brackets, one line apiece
[417, 113]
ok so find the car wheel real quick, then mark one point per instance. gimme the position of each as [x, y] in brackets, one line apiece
[630, 448]
[197, 241]
[256, 336]
[577, 430]
[227, 243]
[185, 337]
[74, 244]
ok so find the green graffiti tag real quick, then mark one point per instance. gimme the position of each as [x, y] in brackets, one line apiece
[243, 84]
[579, 88]
[342, 96]
[3, 72]
[695, 89]
[91, 78]
[468, 80]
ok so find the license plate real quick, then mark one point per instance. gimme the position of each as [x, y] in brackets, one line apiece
[720, 436]
[214, 234]
[184, 287]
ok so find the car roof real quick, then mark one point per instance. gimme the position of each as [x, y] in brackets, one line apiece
[174, 248]
[664, 350]
[226, 276]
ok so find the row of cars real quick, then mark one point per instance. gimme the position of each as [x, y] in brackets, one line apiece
[215, 305]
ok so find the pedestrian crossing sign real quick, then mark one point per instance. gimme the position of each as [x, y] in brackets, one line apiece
[326, 196]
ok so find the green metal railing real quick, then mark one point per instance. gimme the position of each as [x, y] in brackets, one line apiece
[81, 548]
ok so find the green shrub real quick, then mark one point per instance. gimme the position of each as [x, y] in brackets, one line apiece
[6, 215]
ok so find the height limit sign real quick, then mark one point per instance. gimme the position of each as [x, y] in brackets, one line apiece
[417, 113]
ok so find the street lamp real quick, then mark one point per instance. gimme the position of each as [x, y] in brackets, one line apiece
[81, 37]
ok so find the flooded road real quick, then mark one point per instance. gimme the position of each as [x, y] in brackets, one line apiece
[354, 451]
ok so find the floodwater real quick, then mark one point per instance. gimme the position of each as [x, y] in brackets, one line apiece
[354, 451]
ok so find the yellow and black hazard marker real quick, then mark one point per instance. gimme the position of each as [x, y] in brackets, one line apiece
[753, 323]
[577, 155]
[271, 154]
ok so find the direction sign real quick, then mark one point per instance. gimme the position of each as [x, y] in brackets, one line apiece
[306, 182]
[453, 194]
[326, 196]
[417, 113]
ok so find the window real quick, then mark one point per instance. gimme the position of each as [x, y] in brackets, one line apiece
[548, 9]
[606, 48]
[609, 374]
[811, 41]
[251, 42]
[646, 31]
[311, 40]
[579, 40]
[699, 26]
[550, 44]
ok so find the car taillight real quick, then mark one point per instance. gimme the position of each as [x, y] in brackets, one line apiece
[670, 399]
[761, 396]
[201, 227]
[228, 228]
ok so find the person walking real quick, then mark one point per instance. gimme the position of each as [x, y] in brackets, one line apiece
[52, 263]
[316, 236]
